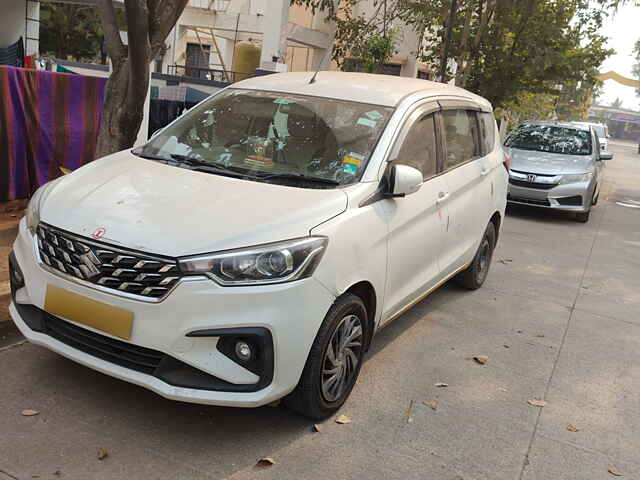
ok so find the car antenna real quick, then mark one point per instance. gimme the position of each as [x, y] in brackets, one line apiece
[324, 57]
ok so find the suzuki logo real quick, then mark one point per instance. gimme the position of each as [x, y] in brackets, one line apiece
[531, 177]
[99, 233]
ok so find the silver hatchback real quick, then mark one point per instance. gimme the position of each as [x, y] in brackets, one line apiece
[555, 165]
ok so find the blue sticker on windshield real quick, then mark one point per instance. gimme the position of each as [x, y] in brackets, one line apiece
[352, 169]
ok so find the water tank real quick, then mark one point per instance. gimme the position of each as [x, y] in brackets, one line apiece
[246, 58]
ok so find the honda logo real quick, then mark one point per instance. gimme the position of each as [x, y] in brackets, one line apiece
[531, 177]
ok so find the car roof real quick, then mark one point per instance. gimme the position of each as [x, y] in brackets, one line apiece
[386, 90]
[574, 125]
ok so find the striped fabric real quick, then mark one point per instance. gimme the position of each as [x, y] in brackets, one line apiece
[47, 120]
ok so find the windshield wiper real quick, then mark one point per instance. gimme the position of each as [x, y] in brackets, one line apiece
[297, 176]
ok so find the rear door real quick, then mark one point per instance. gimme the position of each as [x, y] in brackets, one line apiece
[417, 222]
[466, 171]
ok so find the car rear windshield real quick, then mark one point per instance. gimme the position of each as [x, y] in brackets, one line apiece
[275, 137]
[550, 138]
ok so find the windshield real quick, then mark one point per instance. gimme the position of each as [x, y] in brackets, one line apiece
[277, 137]
[550, 138]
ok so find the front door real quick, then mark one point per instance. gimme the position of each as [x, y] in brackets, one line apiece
[417, 222]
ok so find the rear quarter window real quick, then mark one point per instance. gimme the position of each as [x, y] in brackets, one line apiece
[487, 132]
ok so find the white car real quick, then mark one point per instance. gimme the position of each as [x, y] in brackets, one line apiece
[601, 131]
[251, 249]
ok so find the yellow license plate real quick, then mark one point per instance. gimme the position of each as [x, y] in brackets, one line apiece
[101, 316]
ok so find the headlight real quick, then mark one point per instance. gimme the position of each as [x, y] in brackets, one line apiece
[33, 210]
[35, 204]
[271, 263]
[575, 178]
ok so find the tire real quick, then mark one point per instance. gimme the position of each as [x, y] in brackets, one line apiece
[595, 199]
[315, 396]
[474, 276]
[583, 217]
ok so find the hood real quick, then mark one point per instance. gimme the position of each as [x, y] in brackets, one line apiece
[548, 163]
[165, 210]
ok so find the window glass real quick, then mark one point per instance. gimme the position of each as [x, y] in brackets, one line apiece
[418, 149]
[461, 137]
[269, 136]
[550, 138]
[487, 132]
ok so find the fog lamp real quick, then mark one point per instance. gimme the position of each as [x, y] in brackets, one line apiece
[243, 351]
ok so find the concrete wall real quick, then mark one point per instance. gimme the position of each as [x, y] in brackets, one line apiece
[12, 21]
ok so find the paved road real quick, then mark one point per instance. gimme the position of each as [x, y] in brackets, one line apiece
[559, 322]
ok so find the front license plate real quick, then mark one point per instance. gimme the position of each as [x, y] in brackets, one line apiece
[101, 316]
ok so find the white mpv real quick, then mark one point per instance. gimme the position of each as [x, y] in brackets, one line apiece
[252, 248]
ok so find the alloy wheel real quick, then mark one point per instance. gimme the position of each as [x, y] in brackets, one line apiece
[341, 358]
[484, 260]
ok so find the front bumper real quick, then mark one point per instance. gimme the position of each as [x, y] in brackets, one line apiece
[572, 197]
[291, 314]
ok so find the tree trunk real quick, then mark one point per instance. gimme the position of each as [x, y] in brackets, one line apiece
[148, 24]
[121, 114]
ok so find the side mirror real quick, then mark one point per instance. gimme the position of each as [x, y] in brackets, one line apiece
[403, 180]
[606, 156]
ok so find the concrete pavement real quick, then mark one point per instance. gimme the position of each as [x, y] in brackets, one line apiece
[558, 318]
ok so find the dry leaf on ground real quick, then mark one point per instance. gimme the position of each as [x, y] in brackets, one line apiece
[615, 472]
[265, 462]
[29, 412]
[572, 428]
[342, 419]
[102, 454]
[481, 359]
[441, 384]
[433, 404]
[536, 402]
[317, 428]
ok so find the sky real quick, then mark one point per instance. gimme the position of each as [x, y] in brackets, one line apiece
[623, 31]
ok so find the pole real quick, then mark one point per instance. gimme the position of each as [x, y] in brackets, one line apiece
[447, 40]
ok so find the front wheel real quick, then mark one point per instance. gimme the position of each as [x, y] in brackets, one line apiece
[474, 276]
[334, 361]
[583, 217]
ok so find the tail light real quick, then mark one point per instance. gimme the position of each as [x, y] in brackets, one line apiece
[507, 161]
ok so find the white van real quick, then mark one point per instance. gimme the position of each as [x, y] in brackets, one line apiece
[251, 249]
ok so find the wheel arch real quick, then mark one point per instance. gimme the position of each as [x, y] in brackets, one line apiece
[496, 219]
[367, 293]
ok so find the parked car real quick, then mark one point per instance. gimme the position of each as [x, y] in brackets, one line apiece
[251, 249]
[555, 165]
[602, 131]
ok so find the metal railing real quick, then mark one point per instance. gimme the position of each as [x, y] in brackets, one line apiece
[207, 73]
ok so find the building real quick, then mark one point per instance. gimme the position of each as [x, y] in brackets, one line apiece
[622, 123]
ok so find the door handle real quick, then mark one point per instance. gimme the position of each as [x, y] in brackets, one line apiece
[484, 171]
[442, 196]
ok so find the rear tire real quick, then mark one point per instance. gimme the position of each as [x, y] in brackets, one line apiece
[337, 351]
[583, 217]
[474, 276]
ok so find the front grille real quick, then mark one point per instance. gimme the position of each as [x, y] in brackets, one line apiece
[109, 267]
[537, 186]
[124, 354]
[529, 201]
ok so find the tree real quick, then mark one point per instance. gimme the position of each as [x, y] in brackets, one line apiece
[507, 47]
[68, 30]
[370, 38]
[635, 69]
[617, 103]
[148, 24]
